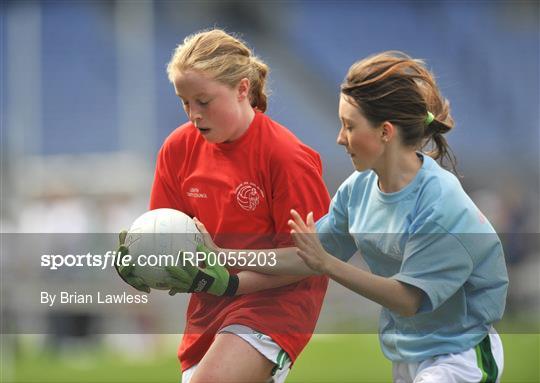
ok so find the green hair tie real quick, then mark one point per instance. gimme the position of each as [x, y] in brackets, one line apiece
[429, 118]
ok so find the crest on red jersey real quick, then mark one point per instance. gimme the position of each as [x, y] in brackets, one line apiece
[248, 195]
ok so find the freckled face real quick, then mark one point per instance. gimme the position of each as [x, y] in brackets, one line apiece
[361, 139]
[213, 107]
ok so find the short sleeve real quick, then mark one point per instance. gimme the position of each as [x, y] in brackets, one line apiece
[333, 228]
[436, 262]
[298, 185]
[165, 189]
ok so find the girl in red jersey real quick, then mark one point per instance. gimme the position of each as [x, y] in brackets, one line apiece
[240, 172]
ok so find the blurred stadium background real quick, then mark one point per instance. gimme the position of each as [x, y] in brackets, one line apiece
[85, 105]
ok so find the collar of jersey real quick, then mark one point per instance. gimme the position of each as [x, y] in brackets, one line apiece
[410, 187]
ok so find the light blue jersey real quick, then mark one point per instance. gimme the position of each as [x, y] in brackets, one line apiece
[429, 235]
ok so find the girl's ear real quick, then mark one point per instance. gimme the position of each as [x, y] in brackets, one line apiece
[243, 89]
[388, 131]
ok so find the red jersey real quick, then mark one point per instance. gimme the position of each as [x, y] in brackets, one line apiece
[243, 192]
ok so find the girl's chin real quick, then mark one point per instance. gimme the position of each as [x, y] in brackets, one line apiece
[212, 139]
[359, 167]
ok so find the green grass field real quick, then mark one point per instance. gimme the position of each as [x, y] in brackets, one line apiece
[328, 358]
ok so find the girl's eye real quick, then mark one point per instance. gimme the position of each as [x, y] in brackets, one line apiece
[203, 103]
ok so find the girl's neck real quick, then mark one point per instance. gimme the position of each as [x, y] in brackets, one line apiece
[397, 169]
[246, 117]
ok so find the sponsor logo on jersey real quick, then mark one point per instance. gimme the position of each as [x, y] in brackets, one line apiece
[395, 252]
[196, 193]
[248, 195]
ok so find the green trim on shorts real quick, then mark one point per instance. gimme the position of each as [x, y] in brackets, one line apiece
[280, 361]
[486, 361]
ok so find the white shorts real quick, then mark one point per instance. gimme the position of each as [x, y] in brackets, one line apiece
[262, 343]
[483, 363]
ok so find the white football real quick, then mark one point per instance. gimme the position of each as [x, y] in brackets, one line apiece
[155, 240]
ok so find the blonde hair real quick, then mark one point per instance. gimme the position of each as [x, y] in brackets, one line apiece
[225, 58]
[392, 86]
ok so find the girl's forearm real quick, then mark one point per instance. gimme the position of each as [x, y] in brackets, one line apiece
[283, 261]
[397, 296]
[251, 282]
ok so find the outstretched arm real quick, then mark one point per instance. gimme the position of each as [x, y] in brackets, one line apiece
[215, 279]
[286, 264]
[395, 295]
[310, 258]
[251, 282]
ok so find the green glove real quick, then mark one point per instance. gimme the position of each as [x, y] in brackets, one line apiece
[125, 272]
[213, 279]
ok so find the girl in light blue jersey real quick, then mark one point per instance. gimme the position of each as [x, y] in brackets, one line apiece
[436, 264]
